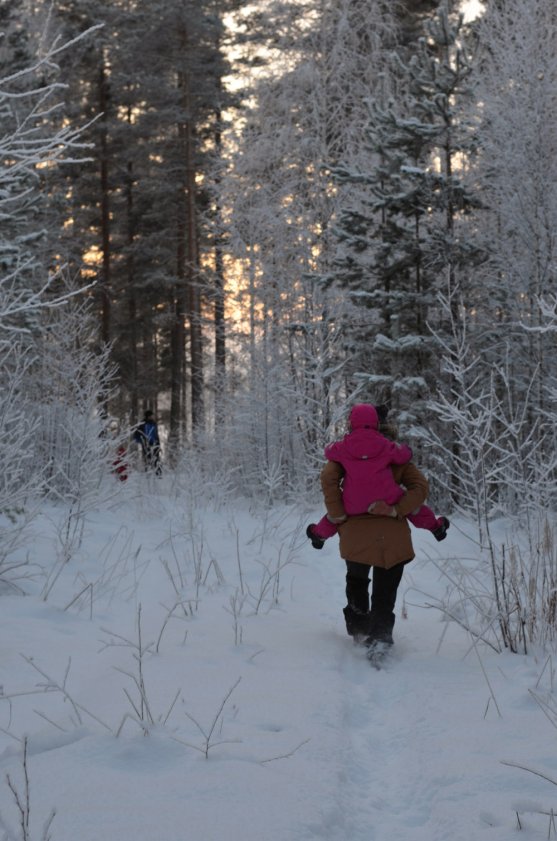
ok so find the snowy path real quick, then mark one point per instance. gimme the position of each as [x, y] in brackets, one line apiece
[424, 741]
[400, 725]
[310, 742]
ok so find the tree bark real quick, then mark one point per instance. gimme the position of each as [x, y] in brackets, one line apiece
[192, 270]
[105, 206]
[219, 300]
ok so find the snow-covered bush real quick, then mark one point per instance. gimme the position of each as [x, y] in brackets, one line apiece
[501, 464]
[507, 598]
[69, 388]
[19, 478]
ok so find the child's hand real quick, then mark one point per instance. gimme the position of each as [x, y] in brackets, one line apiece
[337, 521]
[381, 509]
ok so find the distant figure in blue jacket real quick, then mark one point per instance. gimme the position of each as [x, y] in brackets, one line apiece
[147, 435]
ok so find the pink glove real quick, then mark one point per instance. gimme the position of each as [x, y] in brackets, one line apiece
[381, 509]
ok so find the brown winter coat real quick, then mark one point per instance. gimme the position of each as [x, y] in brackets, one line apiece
[368, 539]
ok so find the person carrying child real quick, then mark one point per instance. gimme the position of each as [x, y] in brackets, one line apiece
[367, 458]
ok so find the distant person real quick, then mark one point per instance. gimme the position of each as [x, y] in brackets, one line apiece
[367, 458]
[147, 435]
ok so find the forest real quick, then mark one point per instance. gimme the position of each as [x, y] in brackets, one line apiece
[247, 216]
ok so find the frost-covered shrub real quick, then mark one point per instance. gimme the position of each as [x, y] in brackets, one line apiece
[507, 598]
[69, 389]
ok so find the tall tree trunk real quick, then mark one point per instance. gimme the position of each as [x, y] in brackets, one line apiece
[219, 298]
[105, 205]
[132, 303]
[192, 271]
[178, 339]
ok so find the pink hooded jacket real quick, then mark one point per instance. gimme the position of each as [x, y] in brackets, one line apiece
[366, 457]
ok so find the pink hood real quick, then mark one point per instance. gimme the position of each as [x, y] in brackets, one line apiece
[363, 415]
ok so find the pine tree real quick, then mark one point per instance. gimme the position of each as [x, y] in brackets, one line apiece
[407, 239]
[153, 82]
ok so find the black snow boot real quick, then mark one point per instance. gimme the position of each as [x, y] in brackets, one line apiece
[385, 637]
[380, 629]
[357, 623]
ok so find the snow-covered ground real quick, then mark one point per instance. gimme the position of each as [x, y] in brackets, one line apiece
[259, 719]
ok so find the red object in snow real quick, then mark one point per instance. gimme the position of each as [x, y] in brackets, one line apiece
[120, 464]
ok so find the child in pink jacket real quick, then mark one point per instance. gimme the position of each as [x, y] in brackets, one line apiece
[367, 457]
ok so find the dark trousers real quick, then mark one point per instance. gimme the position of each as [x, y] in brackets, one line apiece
[384, 588]
[151, 457]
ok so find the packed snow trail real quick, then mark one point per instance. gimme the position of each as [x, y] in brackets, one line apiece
[424, 737]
